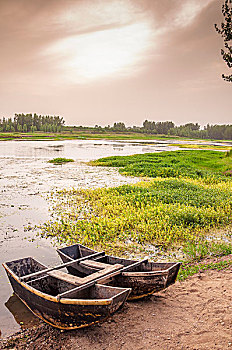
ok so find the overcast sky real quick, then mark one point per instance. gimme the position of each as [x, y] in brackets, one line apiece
[101, 61]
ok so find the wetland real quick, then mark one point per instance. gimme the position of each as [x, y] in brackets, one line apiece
[177, 211]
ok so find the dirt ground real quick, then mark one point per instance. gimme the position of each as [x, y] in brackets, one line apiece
[194, 314]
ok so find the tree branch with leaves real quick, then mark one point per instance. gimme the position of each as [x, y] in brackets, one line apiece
[225, 30]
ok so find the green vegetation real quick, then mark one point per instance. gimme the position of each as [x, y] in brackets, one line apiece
[67, 135]
[24, 123]
[225, 30]
[209, 166]
[201, 146]
[167, 128]
[173, 212]
[187, 269]
[59, 161]
[229, 153]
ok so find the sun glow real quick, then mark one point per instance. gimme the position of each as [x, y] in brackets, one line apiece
[102, 53]
[111, 38]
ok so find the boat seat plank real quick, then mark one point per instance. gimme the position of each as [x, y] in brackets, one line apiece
[66, 277]
[78, 281]
[102, 273]
[95, 264]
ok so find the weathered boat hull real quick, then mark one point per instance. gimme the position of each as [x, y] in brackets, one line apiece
[144, 280]
[77, 311]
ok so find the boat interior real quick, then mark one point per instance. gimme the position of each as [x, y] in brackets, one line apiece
[92, 265]
[53, 283]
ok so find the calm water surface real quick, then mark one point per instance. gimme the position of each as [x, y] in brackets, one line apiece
[25, 179]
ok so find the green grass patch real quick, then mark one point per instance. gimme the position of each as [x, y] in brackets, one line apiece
[207, 165]
[188, 270]
[67, 135]
[170, 213]
[129, 217]
[229, 153]
[59, 161]
[201, 146]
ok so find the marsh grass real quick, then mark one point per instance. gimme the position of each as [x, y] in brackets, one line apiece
[207, 165]
[173, 212]
[67, 135]
[131, 216]
[58, 161]
[201, 146]
[229, 153]
[188, 270]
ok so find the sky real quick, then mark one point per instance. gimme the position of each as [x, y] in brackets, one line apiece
[105, 61]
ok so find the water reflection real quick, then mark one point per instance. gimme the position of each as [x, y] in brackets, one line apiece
[22, 315]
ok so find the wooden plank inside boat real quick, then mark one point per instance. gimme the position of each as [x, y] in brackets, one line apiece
[96, 264]
[66, 277]
[78, 281]
[37, 273]
[102, 273]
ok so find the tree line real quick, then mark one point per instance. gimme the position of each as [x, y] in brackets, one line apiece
[31, 123]
[192, 130]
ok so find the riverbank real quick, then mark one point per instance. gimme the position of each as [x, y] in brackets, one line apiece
[67, 135]
[86, 135]
[194, 314]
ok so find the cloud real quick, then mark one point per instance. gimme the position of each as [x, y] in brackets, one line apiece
[188, 12]
[103, 53]
[115, 38]
[78, 41]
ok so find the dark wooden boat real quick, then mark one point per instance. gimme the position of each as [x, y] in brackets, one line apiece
[58, 299]
[143, 277]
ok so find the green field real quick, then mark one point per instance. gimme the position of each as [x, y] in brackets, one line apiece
[186, 195]
[65, 135]
[85, 135]
[207, 165]
[201, 146]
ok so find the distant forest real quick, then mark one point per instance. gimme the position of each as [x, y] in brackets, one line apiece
[32, 122]
[216, 132]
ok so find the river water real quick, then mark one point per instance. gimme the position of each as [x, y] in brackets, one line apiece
[26, 178]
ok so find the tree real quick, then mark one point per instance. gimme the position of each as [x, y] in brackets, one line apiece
[119, 126]
[24, 127]
[225, 30]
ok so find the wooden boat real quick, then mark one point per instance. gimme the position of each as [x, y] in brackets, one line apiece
[58, 299]
[143, 277]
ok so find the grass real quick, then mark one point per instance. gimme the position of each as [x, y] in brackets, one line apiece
[82, 135]
[130, 217]
[201, 146]
[174, 212]
[66, 135]
[206, 165]
[229, 153]
[188, 270]
[59, 161]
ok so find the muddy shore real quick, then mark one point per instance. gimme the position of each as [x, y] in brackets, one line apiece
[194, 314]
